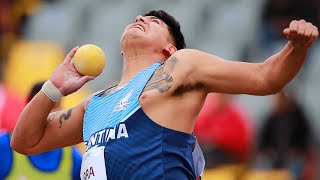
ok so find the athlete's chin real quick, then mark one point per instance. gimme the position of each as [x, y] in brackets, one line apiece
[136, 35]
[133, 39]
[134, 32]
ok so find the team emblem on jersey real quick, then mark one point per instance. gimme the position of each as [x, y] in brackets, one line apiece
[123, 103]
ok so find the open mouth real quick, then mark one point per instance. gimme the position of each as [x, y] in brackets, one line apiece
[139, 27]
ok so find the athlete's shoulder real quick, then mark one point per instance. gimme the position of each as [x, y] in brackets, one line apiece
[99, 93]
[192, 60]
[84, 103]
[87, 100]
[182, 60]
[187, 53]
[193, 54]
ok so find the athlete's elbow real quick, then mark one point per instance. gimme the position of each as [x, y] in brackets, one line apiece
[271, 88]
[25, 151]
[271, 81]
[267, 84]
[264, 87]
[18, 147]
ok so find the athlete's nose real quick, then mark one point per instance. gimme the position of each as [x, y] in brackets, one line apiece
[140, 18]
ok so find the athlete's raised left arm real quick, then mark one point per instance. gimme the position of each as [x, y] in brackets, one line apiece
[268, 77]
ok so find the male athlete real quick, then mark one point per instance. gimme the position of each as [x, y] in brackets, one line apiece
[142, 128]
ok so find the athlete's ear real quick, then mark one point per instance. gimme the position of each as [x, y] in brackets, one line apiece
[122, 53]
[169, 50]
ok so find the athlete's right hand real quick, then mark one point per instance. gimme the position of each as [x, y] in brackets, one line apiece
[66, 78]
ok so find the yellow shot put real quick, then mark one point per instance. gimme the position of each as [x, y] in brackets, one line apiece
[89, 60]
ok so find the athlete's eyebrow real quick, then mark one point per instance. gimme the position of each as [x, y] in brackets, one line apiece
[153, 17]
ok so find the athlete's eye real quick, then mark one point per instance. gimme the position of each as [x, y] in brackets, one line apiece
[157, 21]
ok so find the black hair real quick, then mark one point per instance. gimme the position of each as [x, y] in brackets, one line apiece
[35, 89]
[173, 24]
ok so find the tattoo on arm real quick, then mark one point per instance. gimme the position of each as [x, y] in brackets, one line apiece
[51, 116]
[161, 79]
[171, 63]
[65, 116]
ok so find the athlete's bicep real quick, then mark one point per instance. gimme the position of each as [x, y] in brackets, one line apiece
[64, 128]
[222, 76]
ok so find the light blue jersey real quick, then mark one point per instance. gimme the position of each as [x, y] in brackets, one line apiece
[135, 146]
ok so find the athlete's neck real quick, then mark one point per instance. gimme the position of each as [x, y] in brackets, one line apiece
[132, 65]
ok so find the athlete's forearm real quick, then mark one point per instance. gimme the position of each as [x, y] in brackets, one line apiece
[32, 123]
[282, 67]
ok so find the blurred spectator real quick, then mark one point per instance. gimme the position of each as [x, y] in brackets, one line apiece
[277, 14]
[286, 140]
[8, 27]
[56, 164]
[13, 15]
[225, 134]
[10, 106]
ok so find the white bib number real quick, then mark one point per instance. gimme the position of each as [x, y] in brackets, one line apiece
[93, 165]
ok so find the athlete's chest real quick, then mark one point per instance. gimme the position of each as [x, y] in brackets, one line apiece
[148, 98]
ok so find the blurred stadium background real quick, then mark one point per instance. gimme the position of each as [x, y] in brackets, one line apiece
[36, 34]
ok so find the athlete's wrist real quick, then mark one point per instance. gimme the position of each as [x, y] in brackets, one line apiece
[51, 91]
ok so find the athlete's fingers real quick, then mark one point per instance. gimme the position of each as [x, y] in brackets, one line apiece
[85, 79]
[293, 30]
[71, 54]
[302, 25]
[286, 31]
[308, 31]
[314, 35]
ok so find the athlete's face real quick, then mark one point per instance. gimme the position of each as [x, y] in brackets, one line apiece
[147, 31]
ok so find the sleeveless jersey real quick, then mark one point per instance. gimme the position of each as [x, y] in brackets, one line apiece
[135, 146]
